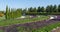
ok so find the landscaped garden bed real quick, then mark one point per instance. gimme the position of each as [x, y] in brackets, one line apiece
[15, 21]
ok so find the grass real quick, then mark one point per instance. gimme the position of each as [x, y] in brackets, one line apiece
[10, 22]
[1, 31]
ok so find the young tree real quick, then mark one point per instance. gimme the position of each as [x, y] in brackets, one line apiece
[19, 12]
[6, 14]
[9, 16]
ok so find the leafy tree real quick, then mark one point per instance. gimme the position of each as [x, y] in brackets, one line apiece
[39, 9]
[34, 9]
[42, 9]
[51, 8]
[19, 12]
[55, 8]
[58, 8]
[30, 9]
[47, 9]
[24, 11]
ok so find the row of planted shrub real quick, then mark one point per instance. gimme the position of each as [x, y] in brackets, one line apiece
[43, 29]
[46, 28]
[42, 26]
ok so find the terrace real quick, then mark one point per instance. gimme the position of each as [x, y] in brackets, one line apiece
[21, 21]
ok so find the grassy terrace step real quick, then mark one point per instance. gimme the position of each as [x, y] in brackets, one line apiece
[15, 21]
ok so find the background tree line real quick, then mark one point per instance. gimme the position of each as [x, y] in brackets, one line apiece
[50, 9]
[14, 13]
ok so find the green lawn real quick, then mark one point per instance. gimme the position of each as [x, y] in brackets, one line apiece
[10, 22]
[1, 31]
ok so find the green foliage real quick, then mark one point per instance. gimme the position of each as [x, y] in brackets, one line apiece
[11, 13]
[30, 9]
[19, 12]
[1, 31]
[55, 8]
[58, 8]
[28, 20]
[50, 9]
[39, 9]
[6, 14]
[42, 9]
